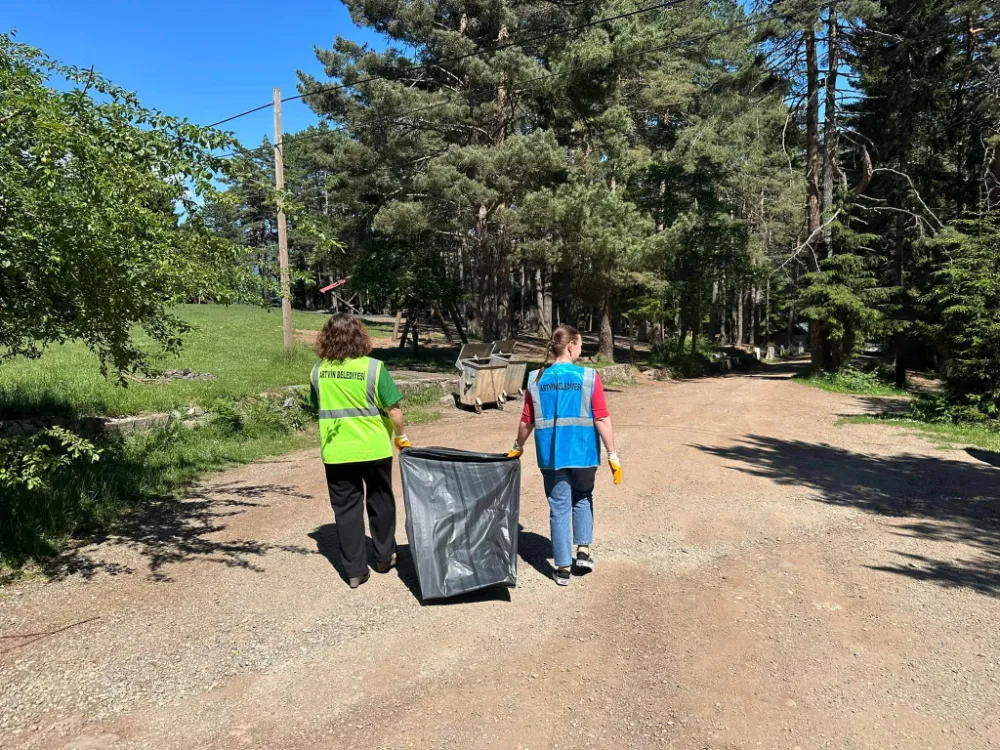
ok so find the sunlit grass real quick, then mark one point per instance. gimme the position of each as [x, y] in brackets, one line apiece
[241, 346]
[946, 435]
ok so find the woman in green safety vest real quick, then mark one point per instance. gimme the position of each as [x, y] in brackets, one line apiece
[358, 414]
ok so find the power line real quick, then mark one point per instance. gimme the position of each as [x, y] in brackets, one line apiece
[420, 66]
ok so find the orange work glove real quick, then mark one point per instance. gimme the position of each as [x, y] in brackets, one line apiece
[616, 467]
[402, 442]
[516, 451]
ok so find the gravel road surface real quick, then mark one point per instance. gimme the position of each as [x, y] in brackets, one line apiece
[765, 579]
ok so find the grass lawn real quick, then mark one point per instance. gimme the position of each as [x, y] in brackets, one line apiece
[945, 435]
[241, 345]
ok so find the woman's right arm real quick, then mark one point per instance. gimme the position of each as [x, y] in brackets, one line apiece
[607, 432]
[602, 422]
[524, 427]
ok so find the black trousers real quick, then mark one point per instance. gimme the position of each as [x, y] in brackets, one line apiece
[352, 486]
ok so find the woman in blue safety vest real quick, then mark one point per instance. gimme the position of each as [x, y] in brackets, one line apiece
[565, 407]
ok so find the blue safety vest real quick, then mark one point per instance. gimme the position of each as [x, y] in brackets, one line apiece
[565, 435]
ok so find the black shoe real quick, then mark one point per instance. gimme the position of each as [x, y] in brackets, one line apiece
[358, 581]
[583, 564]
[561, 576]
[386, 565]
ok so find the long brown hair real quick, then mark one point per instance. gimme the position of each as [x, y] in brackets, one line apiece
[343, 337]
[562, 337]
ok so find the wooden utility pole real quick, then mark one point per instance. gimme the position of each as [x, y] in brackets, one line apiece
[279, 184]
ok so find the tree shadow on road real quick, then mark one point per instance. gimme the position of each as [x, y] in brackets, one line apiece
[948, 500]
[173, 531]
[987, 457]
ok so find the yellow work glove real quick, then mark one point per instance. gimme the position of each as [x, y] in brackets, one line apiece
[516, 451]
[616, 467]
[402, 442]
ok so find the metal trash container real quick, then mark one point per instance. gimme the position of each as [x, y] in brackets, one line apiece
[482, 381]
[503, 353]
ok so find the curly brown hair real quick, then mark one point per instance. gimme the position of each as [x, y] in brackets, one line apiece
[343, 337]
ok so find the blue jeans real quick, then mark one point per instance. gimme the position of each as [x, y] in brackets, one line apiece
[571, 510]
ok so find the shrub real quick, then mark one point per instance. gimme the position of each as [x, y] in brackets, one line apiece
[31, 462]
[260, 416]
[57, 484]
[850, 379]
[681, 364]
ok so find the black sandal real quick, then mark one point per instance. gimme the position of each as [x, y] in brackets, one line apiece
[583, 564]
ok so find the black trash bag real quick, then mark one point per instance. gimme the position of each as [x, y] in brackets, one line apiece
[461, 518]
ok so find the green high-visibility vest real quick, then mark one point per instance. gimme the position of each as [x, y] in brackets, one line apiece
[352, 423]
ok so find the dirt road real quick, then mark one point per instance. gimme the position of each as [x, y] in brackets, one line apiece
[765, 579]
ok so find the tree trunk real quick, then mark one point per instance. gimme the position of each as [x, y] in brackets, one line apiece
[993, 193]
[723, 312]
[524, 293]
[961, 146]
[767, 312]
[694, 340]
[813, 221]
[791, 325]
[606, 339]
[436, 313]
[543, 301]
[899, 339]
[755, 330]
[456, 319]
[740, 294]
[662, 211]
[631, 342]
[395, 326]
[713, 310]
[406, 330]
[502, 94]
[830, 136]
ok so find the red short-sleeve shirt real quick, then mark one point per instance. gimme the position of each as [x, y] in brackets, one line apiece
[598, 403]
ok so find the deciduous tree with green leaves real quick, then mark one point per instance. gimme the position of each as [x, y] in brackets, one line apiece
[101, 227]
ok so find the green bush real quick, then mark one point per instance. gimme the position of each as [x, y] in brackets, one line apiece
[260, 416]
[856, 380]
[30, 462]
[709, 359]
[936, 408]
[683, 364]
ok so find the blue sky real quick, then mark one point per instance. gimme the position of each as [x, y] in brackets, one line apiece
[201, 60]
